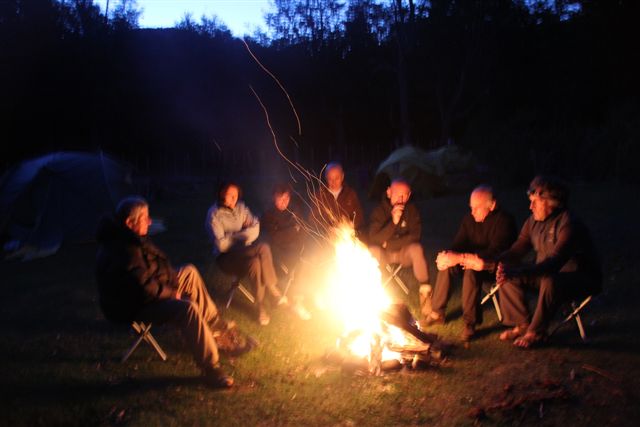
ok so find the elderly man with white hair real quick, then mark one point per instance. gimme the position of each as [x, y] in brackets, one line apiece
[136, 281]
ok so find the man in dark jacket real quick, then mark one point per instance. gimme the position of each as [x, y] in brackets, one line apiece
[337, 202]
[566, 265]
[395, 230]
[137, 282]
[483, 234]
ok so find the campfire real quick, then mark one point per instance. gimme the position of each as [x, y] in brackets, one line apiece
[378, 333]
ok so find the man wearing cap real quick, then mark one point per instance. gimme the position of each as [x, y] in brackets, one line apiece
[566, 265]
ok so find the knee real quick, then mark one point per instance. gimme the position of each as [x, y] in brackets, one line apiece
[189, 269]
[415, 250]
[254, 265]
[264, 249]
[376, 252]
[547, 283]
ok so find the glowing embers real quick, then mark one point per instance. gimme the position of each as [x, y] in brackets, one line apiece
[377, 333]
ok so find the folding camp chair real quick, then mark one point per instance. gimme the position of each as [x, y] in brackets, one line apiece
[144, 334]
[575, 314]
[394, 270]
[290, 271]
[491, 295]
[237, 285]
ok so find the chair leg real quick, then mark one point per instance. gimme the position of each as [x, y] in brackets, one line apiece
[575, 314]
[144, 333]
[581, 330]
[497, 307]
[393, 275]
[246, 293]
[492, 295]
[237, 285]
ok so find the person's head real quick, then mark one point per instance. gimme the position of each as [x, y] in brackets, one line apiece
[398, 192]
[281, 196]
[546, 194]
[481, 202]
[229, 194]
[334, 176]
[133, 213]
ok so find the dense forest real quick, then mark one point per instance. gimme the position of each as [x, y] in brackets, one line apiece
[527, 86]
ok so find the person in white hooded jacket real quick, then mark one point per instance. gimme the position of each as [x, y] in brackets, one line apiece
[233, 230]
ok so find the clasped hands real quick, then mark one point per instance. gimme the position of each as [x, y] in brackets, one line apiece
[468, 261]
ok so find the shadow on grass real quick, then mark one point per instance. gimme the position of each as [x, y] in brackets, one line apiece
[90, 391]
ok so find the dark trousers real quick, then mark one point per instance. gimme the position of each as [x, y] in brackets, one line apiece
[471, 284]
[553, 291]
[191, 314]
[256, 262]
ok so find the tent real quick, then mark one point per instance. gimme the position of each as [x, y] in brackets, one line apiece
[430, 173]
[58, 197]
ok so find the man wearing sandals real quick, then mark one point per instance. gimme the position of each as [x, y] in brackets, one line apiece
[566, 264]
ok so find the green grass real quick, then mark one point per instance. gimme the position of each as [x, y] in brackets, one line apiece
[59, 359]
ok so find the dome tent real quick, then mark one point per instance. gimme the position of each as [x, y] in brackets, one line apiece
[58, 197]
[430, 173]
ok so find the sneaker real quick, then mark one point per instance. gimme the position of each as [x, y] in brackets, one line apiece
[263, 318]
[468, 332]
[425, 293]
[216, 378]
[283, 301]
[302, 312]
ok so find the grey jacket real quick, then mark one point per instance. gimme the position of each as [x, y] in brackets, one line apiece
[230, 228]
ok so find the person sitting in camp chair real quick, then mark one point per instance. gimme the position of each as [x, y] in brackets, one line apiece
[336, 203]
[395, 230]
[483, 234]
[282, 228]
[566, 264]
[136, 282]
[233, 230]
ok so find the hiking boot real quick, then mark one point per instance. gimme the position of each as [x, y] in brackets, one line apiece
[468, 332]
[220, 325]
[216, 378]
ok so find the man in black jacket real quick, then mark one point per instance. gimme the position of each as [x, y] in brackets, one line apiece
[566, 265]
[483, 234]
[137, 282]
[395, 230]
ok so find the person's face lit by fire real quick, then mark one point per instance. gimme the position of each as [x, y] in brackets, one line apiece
[540, 205]
[139, 221]
[398, 193]
[281, 201]
[334, 177]
[230, 199]
[481, 204]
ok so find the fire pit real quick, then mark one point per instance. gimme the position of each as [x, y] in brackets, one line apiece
[378, 334]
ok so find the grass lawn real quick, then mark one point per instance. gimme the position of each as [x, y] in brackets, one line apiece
[59, 358]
